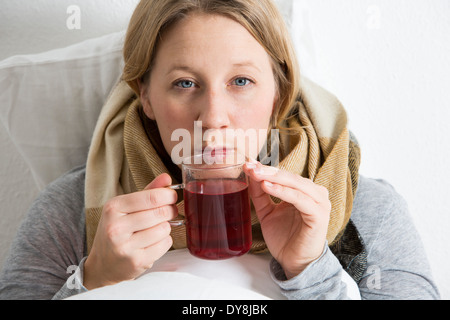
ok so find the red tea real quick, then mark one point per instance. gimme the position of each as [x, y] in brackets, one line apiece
[218, 218]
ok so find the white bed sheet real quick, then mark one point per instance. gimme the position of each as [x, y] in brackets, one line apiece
[181, 276]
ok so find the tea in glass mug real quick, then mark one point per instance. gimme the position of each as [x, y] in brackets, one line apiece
[216, 206]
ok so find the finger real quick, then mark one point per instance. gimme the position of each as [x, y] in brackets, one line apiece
[161, 181]
[156, 251]
[151, 236]
[143, 200]
[303, 202]
[259, 172]
[261, 200]
[142, 220]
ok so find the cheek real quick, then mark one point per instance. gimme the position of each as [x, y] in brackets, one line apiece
[167, 118]
[167, 110]
[257, 111]
[255, 118]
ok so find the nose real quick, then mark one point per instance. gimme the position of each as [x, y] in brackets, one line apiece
[214, 110]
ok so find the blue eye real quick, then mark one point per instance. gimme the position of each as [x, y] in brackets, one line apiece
[241, 82]
[185, 84]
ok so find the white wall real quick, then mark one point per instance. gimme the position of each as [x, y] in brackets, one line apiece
[389, 63]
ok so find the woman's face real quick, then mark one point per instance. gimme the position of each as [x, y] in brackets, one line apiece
[213, 79]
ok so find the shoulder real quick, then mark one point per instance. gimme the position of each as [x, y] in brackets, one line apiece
[395, 254]
[59, 209]
[381, 214]
[375, 201]
[64, 197]
[67, 186]
[66, 192]
[376, 192]
[50, 239]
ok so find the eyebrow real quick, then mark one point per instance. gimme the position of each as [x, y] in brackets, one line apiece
[179, 67]
[250, 64]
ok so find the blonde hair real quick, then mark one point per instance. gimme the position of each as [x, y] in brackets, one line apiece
[260, 17]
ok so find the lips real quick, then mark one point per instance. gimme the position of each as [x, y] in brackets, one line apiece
[219, 152]
[216, 154]
[216, 150]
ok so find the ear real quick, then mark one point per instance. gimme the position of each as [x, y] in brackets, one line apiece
[145, 100]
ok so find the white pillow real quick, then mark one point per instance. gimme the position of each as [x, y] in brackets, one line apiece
[35, 26]
[50, 102]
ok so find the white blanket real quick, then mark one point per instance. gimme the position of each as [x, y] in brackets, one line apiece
[181, 276]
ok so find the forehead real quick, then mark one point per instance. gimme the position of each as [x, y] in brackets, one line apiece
[209, 37]
[196, 25]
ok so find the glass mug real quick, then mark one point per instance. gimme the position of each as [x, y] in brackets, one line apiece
[216, 205]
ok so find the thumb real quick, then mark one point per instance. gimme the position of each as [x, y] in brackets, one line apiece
[161, 181]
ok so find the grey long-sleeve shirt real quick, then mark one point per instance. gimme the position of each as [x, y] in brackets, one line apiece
[51, 240]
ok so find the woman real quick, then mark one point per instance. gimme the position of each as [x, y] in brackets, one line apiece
[214, 65]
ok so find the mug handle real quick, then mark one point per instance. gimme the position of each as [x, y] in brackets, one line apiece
[177, 223]
[177, 186]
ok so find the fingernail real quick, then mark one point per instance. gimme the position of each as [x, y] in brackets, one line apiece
[268, 171]
[250, 165]
[258, 170]
[271, 170]
[268, 184]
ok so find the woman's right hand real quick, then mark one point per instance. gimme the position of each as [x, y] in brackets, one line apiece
[132, 234]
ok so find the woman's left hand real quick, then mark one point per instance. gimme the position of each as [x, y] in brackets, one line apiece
[295, 230]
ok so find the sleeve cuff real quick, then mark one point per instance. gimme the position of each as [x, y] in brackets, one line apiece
[321, 279]
[74, 284]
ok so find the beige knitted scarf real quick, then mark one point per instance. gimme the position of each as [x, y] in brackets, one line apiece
[126, 155]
